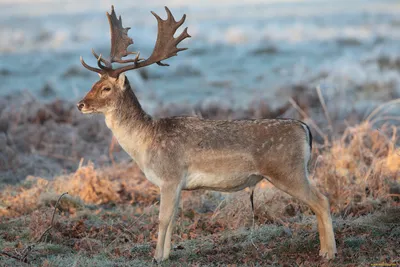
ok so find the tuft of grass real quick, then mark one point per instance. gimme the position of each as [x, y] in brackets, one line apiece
[354, 242]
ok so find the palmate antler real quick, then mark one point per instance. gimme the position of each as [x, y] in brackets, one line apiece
[165, 47]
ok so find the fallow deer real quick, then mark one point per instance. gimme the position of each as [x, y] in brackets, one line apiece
[188, 153]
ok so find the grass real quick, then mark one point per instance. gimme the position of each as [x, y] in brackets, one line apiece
[78, 242]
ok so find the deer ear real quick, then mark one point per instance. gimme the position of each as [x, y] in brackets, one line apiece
[121, 81]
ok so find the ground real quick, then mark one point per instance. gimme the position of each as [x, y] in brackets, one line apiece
[104, 239]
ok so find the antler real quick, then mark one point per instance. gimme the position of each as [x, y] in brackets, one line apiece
[165, 47]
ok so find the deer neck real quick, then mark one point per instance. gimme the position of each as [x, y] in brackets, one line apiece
[131, 126]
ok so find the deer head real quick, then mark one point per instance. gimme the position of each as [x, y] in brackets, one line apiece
[112, 85]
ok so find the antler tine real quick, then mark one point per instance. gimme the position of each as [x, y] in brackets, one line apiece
[106, 62]
[181, 37]
[166, 43]
[169, 15]
[90, 68]
[181, 21]
[105, 68]
[156, 15]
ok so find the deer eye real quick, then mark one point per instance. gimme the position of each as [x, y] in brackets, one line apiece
[106, 89]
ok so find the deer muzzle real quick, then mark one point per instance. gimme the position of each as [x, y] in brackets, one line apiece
[84, 107]
[80, 105]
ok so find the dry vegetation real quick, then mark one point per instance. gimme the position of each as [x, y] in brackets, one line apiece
[109, 217]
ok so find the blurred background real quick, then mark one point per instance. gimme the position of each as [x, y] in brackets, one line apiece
[238, 51]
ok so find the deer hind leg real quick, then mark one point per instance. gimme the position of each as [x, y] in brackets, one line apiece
[168, 205]
[298, 186]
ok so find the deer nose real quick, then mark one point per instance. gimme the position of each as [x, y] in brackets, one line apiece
[80, 105]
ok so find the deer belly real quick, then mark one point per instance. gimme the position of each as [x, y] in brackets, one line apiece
[228, 182]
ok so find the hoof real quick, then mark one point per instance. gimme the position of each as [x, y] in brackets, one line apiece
[327, 255]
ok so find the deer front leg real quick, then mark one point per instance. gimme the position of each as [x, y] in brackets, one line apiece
[168, 243]
[169, 200]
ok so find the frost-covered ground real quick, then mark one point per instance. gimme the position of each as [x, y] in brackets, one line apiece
[245, 61]
[238, 49]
